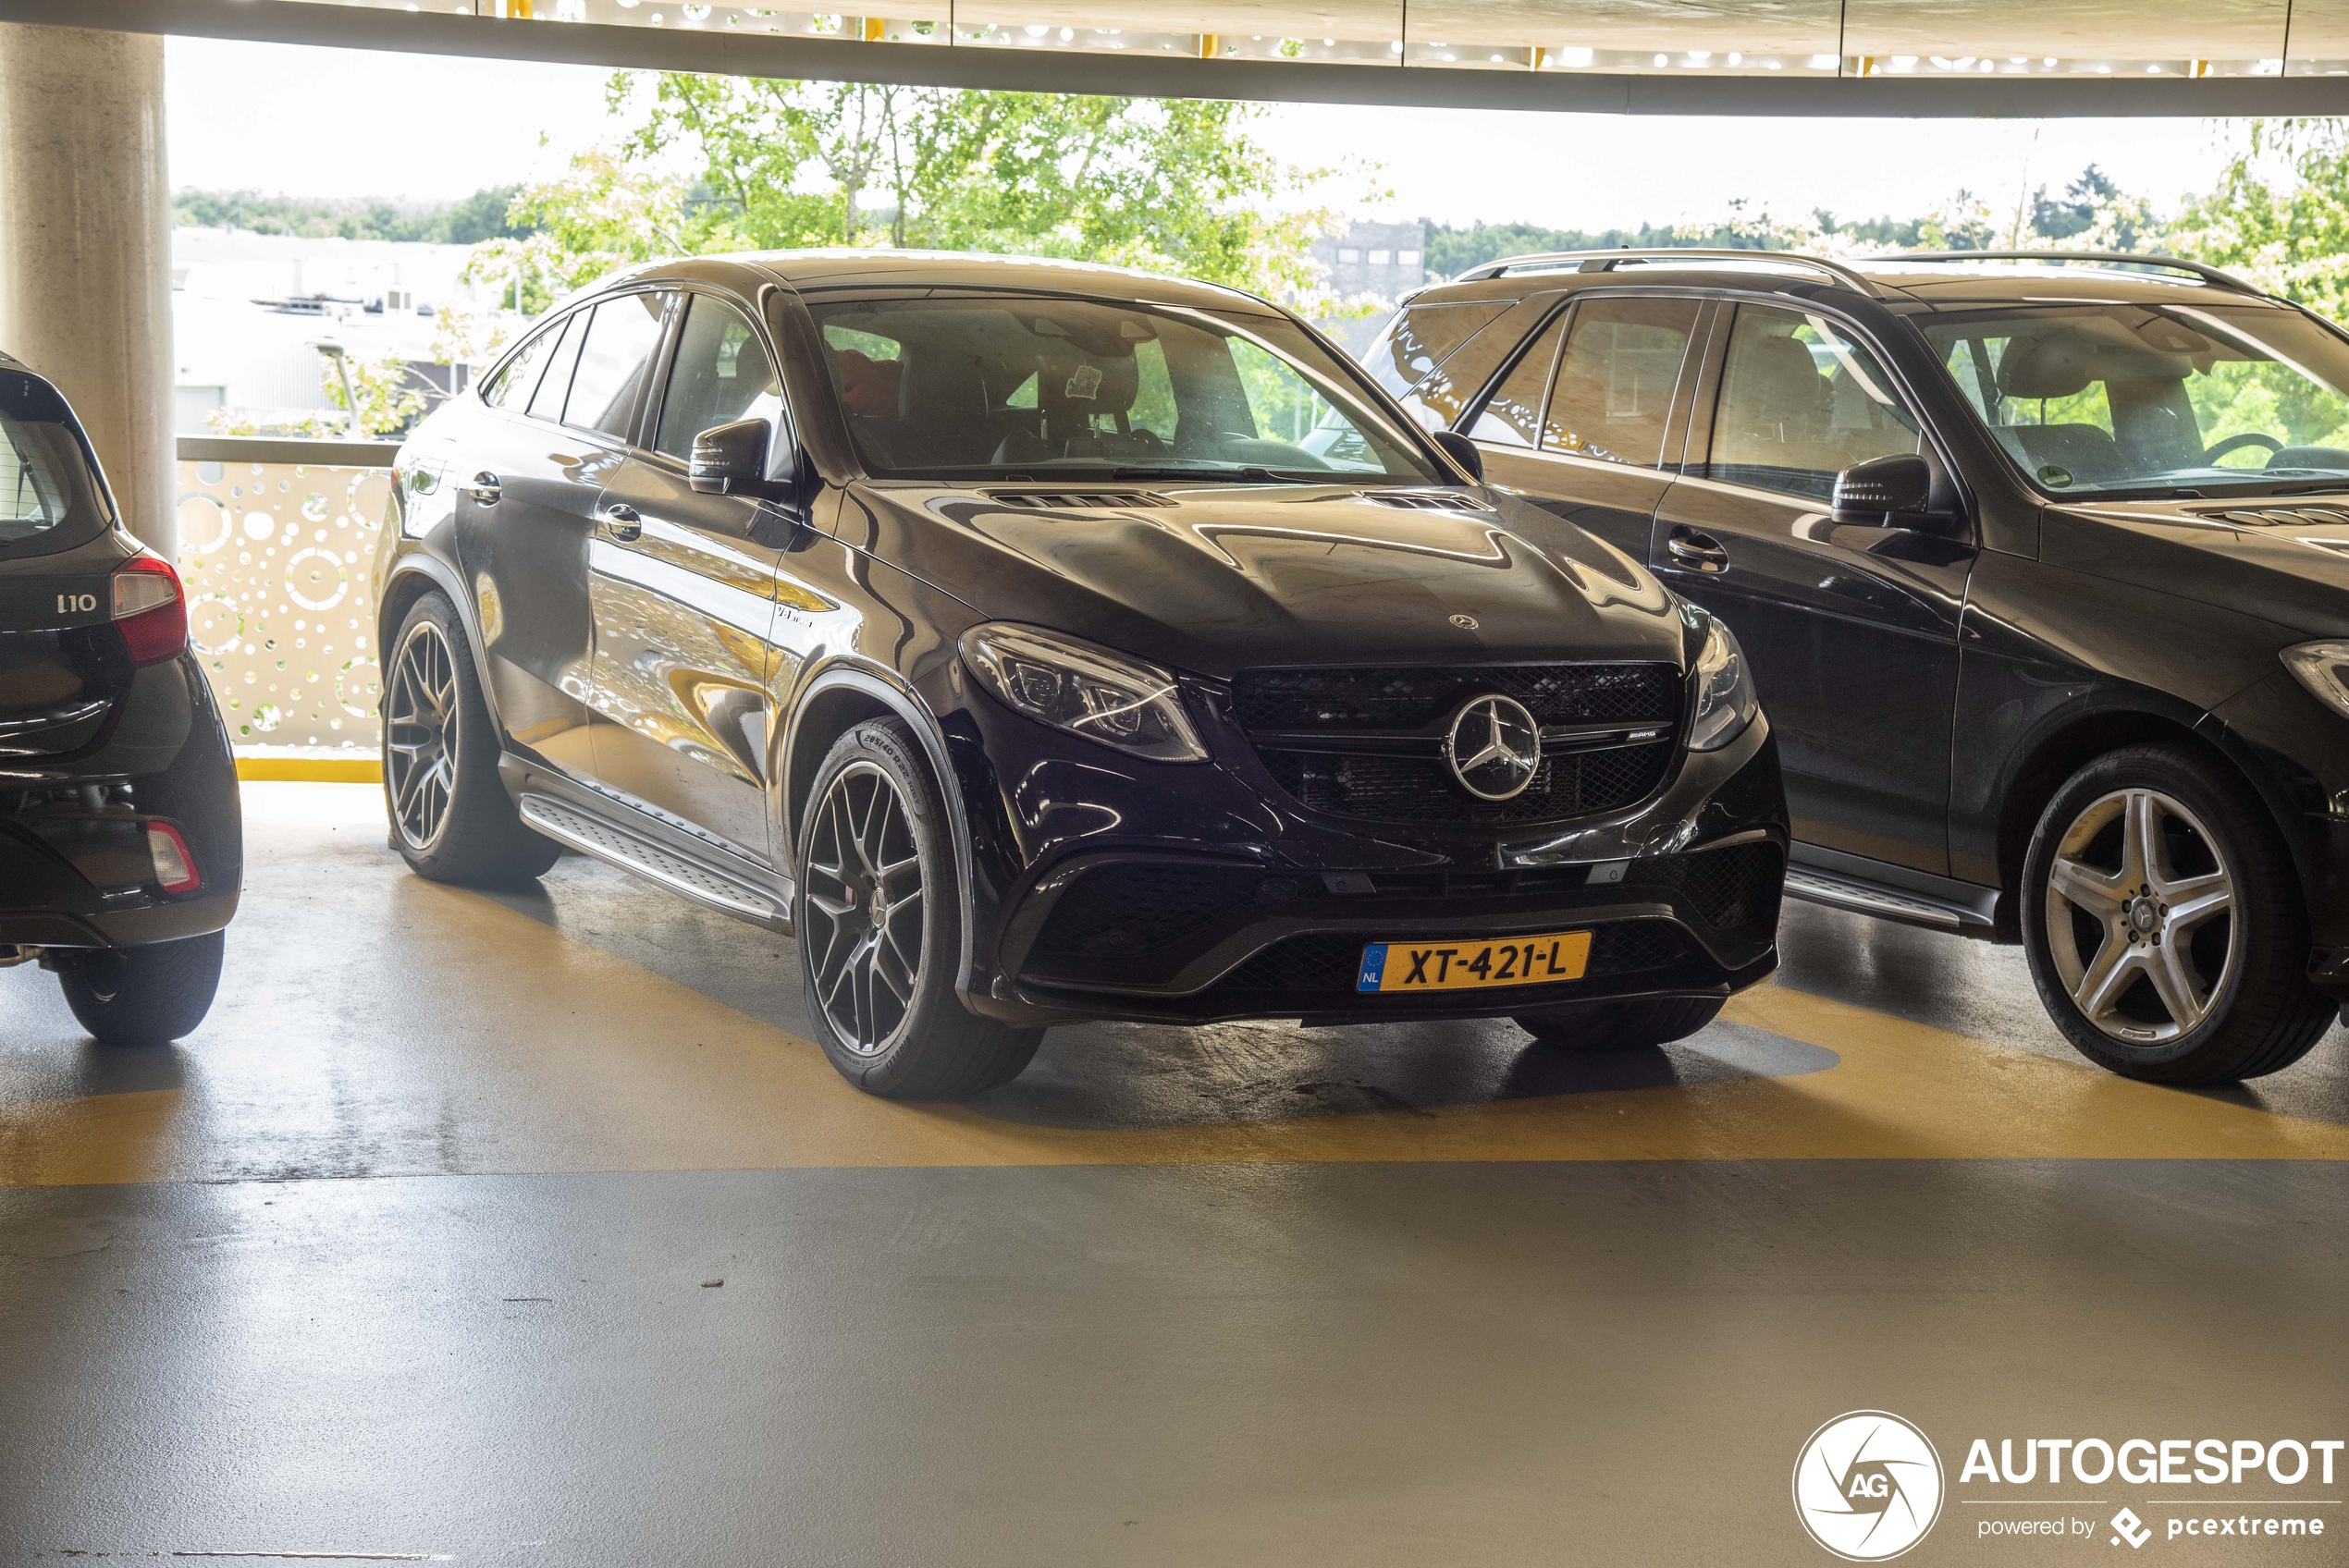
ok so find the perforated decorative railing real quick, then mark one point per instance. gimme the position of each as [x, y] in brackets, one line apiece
[277, 542]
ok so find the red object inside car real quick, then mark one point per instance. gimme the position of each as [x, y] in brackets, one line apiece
[869, 386]
[150, 609]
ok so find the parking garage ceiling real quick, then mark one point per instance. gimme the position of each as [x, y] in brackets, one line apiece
[1873, 57]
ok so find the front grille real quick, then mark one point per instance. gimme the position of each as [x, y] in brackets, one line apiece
[1403, 698]
[1330, 962]
[1392, 789]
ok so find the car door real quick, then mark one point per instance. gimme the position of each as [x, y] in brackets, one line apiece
[692, 593]
[1581, 424]
[1851, 631]
[526, 496]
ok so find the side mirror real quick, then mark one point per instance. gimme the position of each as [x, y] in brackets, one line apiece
[1894, 491]
[1461, 450]
[730, 459]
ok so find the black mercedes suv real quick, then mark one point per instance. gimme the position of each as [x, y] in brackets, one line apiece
[1042, 641]
[121, 845]
[2042, 560]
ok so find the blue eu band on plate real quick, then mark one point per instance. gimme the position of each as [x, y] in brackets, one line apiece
[1461, 966]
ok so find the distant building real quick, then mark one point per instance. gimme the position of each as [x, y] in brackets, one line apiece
[1381, 260]
[249, 312]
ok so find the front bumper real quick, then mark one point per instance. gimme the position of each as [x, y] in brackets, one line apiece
[1106, 887]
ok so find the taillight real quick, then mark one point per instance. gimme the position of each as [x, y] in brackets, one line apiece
[150, 609]
[175, 867]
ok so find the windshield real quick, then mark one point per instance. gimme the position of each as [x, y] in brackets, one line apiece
[50, 498]
[1008, 386]
[2155, 397]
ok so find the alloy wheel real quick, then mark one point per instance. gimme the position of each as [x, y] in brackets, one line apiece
[2140, 917]
[420, 734]
[864, 909]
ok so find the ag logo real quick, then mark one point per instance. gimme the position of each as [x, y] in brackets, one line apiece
[1868, 1486]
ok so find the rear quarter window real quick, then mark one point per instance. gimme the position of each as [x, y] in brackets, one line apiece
[51, 497]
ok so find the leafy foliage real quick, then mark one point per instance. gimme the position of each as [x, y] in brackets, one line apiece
[2279, 215]
[1175, 186]
[482, 215]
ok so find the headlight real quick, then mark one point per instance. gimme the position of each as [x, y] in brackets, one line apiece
[2323, 667]
[1084, 690]
[1725, 700]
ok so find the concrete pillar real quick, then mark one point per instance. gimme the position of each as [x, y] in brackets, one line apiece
[85, 247]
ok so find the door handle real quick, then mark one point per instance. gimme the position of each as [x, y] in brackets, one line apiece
[622, 520]
[1700, 552]
[485, 488]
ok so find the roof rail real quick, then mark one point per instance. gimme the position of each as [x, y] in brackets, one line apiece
[2105, 258]
[1606, 261]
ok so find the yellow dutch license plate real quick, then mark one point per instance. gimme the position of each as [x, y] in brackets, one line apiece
[1465, 966]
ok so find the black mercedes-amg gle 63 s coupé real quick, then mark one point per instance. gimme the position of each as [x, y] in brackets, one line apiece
[1039, 642]
[121, 846]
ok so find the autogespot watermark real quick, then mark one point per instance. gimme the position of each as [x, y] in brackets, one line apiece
[1868, 1485]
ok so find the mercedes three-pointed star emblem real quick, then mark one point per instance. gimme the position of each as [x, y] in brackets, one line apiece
[1493, 746]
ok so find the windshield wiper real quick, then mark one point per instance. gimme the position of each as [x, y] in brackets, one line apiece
[1253, 475]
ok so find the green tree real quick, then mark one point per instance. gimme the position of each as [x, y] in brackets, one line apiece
[2279, 215]
[1178, 187]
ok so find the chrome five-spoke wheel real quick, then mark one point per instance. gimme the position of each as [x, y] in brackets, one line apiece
[421, 734]
[865, 907]
[2140, 916]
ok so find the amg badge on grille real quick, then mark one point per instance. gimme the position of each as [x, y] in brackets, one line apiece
[1493, 746]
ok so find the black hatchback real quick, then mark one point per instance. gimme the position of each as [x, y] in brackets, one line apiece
[1040, 641]
[121, 846]
[2043, 564]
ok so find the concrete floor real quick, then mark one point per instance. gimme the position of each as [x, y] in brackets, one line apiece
[529, 1229]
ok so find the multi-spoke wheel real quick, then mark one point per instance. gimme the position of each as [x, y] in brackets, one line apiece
[450, 817]
[2164, 923]
[421, 734]
[864, 930]
[879, 920]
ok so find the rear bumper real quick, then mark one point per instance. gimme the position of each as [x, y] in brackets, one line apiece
[75, 870]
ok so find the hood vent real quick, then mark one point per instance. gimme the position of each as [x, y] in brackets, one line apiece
[2277, 517]
[1077, 500]
[1422, 501]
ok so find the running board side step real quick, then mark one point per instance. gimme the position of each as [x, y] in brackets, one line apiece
[1814, 885]
[591, 835]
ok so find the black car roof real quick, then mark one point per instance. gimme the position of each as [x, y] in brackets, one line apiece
[842, 268]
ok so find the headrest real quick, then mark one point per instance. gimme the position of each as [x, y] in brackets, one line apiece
[1776, 373]
[868, 385]
[2054, 366]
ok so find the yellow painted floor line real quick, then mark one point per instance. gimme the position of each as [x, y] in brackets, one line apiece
[326, 769]
[538, 1052]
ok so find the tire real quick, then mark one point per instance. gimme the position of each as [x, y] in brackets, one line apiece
[882, 994]
[452, 819]
[1622, 1026]
[2201, 988]
[145, 996]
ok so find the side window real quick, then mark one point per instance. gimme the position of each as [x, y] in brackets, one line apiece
[613, 362]
[546, 403]
[1512, 416]
[721, 374]
[1613, 395]
[1422, 336]
[1440, 397]
[1800, 401]
[514, 386]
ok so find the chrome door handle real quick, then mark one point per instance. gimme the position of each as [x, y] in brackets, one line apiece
[621, 519]
[1700, 551]
[485, 488]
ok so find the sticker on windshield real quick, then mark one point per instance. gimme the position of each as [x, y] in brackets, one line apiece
[2053, 476]
[1085, 383]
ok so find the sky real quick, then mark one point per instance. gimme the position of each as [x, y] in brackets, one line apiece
[278, 119]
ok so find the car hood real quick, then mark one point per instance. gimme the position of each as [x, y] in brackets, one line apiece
[1215, 578]
[2284, 559]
